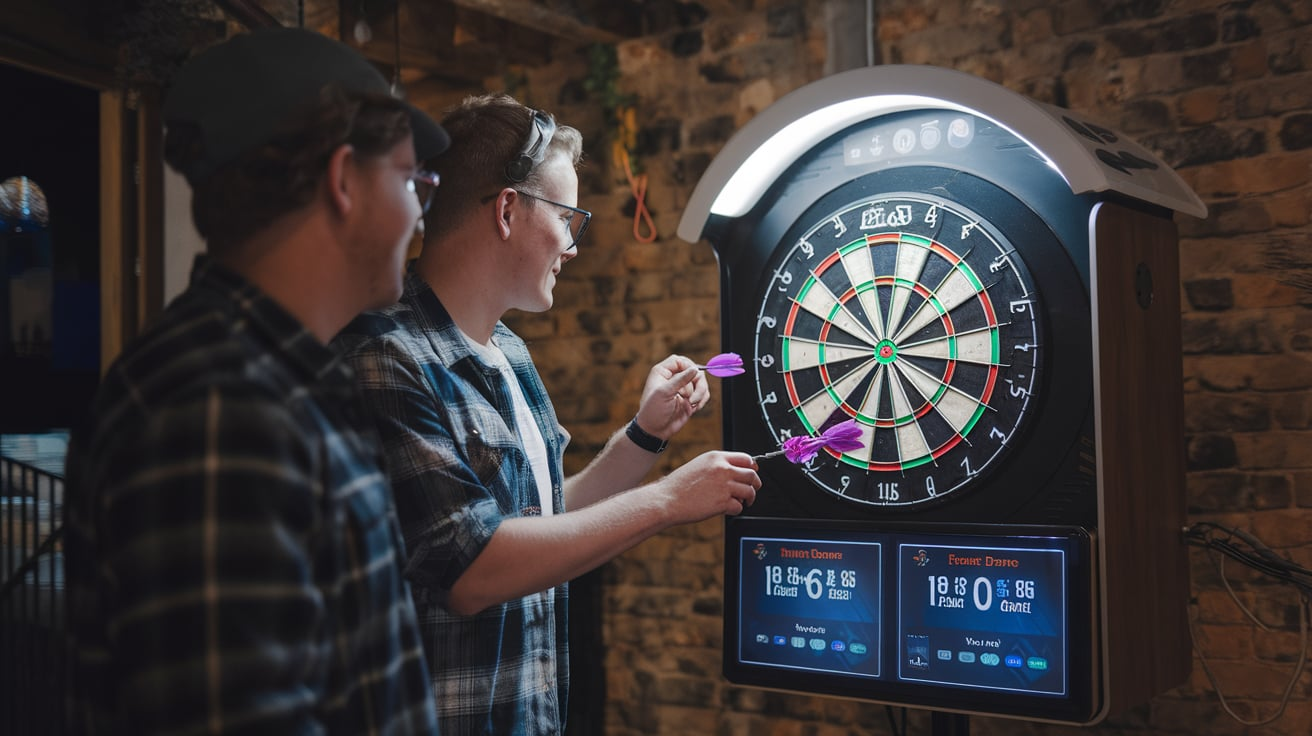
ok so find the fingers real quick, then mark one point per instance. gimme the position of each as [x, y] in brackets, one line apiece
[672, 365]
[683, 382]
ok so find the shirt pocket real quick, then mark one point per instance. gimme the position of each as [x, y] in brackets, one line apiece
[488, 445]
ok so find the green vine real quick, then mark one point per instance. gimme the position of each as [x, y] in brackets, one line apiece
[603, 77]
[617, 107]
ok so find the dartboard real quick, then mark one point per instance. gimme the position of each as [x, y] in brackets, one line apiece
[913, 315]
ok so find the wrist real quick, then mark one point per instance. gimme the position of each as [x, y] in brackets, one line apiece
[644, 439]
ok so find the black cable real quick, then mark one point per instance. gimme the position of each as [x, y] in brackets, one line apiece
[892, 721]
[1248, 550]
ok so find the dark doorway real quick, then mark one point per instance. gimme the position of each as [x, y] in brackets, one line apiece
[49, 251]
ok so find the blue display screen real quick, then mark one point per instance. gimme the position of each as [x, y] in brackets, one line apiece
[811, 604]
[984, 618]
[989, 617]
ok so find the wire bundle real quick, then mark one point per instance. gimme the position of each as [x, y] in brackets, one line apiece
[1222, 542]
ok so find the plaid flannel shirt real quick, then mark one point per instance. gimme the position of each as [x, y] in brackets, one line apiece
[458, 469]
[234, 560]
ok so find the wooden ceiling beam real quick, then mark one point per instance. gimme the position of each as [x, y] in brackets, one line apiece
[426, 42]
[542, 18]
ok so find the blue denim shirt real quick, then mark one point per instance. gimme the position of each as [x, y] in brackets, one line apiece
[459, 469]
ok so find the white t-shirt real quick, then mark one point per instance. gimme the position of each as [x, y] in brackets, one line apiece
[529, 433]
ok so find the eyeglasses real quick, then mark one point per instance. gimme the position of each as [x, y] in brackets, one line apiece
[576, 220]
[424, 185]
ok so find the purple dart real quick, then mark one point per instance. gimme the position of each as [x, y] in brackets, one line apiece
[724, 365]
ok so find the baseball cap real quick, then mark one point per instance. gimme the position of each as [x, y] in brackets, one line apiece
[240, 92]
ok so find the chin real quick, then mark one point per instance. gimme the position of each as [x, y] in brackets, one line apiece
[386, 297]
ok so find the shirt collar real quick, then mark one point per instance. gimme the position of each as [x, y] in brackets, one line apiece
[448, 341]
[267, 319]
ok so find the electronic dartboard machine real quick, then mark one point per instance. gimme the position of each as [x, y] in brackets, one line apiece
[989, 286]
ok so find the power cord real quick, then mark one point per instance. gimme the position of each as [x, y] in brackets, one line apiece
[1221, 542]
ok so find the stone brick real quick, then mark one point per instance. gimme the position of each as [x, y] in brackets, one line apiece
[1296, 132]
[1033, 28]
[1207, 144]
[1300, 337]
[1277, 646]
[1263, 291]
[1281, 372]
[786, 21]
[1217, 607]
[658, 136]
[721, 34]
[1230, 333]
[702, 282]
[1226, 413]
[1264, 174]
[1201, 106]
[1273, 96]
[1294, 410]
[645, 287]
[1149, 114]
[689, 168]
[763, 59]
[685, 43]
[1239, 27]
[899, 22]
[1117, 11]
[1223, 643]
[1288, 53]
[598, 322]
[1289, 209]
[1225, 490]
[1274, 449]
[712, 131]
[1178, 34]
[1303, 488]
[1235, 217]
[1227, 65]
[679, 690]
[1210, 452]
[1209, 294]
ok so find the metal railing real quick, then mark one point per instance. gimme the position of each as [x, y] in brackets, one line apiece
[33, 653]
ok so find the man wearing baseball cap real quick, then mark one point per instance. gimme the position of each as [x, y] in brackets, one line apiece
[233, 555]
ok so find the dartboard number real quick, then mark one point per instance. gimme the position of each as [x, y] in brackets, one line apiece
[914, 316]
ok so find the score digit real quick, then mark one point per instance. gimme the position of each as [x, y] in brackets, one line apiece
[985, 602]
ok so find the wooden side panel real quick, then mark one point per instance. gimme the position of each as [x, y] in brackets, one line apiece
[1139, 392]
[115, 280]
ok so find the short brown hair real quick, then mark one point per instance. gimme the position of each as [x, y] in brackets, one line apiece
[248, 194]
[487, 131]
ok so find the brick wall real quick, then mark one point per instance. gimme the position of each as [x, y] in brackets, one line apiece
[1221, 90]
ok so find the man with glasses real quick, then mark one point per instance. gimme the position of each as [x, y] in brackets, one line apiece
[493, 527]
[233, 558]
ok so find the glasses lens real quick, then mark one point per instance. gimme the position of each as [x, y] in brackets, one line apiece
[578, 224]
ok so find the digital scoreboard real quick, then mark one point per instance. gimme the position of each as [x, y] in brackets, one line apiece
[813, 605]
[968, 617]
[986, 616]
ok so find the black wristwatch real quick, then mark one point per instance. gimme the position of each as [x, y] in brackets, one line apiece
[648, 442]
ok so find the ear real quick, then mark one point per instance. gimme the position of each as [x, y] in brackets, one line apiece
[340, 179]
[504, 210]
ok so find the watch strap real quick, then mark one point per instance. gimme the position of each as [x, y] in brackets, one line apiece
[640, 437]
